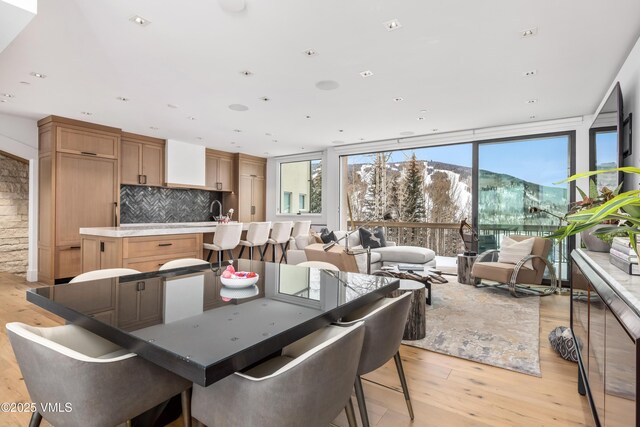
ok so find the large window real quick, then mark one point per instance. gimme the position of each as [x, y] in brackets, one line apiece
[604, 155]
[301, 187]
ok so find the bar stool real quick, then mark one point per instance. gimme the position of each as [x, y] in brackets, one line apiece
[257, 235]
[280, 234]
[226, 238]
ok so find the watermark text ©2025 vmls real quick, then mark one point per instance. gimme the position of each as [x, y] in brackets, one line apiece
[42, 407]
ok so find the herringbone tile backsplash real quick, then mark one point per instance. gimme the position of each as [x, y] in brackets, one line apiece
[153, 204]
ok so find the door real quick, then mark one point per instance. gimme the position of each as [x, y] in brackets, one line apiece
[225, 173]
[131, 159]
[153, 164]
[86, 195]
[211, 172]
[245, 199]
[257, 192]
[518, 190]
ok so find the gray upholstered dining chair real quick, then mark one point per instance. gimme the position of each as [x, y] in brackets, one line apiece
[106, 273]
[384, 322]
[318, 264]
[307, 385]
[105, 384]
[182, 262]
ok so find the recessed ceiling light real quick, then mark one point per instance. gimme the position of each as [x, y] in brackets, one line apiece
[123, 99]
[246, 73]
[398, 99]
[238, 107]
[327, 85]
[532, 101]
[25, 83]
[4, 100]
[153, 128]
[139, 20]
[529, 32]
[8, 95]
[407, 133]
[302, 148]
[39, 75]
[420, 118]
[191, 118]
[394, 24]
[366, 73]
[232, 143]
[532, 117]
[340, 130]
[172, 106]
[310, 52]
[86, 113]
[267, 134]
[434, 130]
[275, 140]
[423, 111]
[265, 99]
[361, 139]
[529, 73]
[237, 130]
[307, 117]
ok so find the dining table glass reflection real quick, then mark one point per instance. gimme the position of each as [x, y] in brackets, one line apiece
[187, 321]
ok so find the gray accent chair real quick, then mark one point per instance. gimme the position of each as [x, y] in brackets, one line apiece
[384, 323]
[104, 383]
[307, 385]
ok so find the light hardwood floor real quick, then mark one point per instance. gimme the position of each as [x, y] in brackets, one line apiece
[446, 391]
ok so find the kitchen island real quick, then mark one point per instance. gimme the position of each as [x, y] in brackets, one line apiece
[143, 247]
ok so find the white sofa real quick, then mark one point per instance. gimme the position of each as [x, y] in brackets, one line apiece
[389, 255]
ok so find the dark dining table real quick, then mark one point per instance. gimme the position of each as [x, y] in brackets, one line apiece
[186, 321]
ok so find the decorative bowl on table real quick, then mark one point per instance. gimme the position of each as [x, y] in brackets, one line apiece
[239, 282]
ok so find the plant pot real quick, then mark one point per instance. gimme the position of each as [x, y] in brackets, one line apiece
[592, 242]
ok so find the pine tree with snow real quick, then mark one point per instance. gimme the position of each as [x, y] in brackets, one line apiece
[376, 199]
[413, 209]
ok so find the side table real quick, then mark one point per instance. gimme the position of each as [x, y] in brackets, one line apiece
[465, 263]
[416, 327]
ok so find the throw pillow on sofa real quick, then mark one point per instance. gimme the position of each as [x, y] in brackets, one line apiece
[328, 236]
[373, 239]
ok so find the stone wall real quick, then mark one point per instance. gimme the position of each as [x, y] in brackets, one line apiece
[14, 211]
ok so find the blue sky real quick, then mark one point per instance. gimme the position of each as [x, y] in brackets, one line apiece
[542, 161]
[607, 147]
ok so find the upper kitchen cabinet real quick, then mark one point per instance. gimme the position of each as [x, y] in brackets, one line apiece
[219, 170]
[142, 160]
[78, 187]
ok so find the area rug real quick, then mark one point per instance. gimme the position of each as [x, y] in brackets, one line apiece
[486, 325]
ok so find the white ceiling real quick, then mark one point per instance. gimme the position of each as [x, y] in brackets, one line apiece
[460, 60]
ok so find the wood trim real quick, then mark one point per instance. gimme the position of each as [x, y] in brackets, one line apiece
[250, 158]
[14, 157]
[217, 153]
[142, 138]
[187, 187]
[79, 123]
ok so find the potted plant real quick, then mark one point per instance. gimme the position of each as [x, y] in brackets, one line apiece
[612, 214]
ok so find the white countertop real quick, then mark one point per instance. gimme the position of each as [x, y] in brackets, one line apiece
[154, 229]
[625, 285]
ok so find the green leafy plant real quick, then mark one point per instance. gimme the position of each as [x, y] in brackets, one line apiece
[623, 209]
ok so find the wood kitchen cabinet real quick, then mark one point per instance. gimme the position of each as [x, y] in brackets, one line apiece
[219, 170]
[249, 197]
[142, 160]
[78, 187]
[145, 254]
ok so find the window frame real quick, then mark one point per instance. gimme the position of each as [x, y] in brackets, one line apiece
[309, 157]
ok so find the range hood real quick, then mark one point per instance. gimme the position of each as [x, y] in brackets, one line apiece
[184, 164]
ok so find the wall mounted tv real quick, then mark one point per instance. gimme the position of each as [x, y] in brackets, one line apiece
[607, 146]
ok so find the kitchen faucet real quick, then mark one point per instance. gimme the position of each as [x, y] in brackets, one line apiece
[219, 210]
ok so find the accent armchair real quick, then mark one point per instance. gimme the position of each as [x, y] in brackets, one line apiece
[517, 277]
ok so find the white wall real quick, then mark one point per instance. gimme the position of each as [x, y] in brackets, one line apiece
[629, 78]
[19, 136]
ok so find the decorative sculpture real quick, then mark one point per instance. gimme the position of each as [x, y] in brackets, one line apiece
[469, 235]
